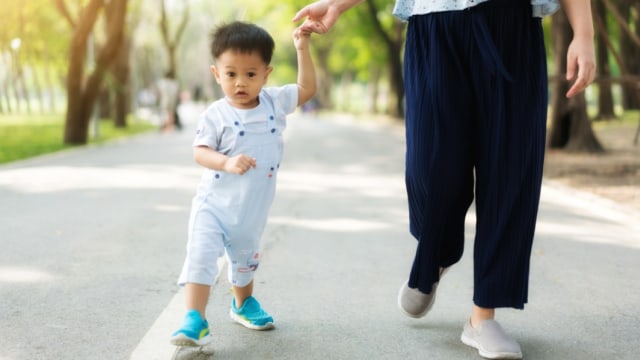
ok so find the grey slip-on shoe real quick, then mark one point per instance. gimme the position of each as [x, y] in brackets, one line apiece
[415, 303]
[491, 340]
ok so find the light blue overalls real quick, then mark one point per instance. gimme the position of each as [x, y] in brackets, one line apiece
[229, 211]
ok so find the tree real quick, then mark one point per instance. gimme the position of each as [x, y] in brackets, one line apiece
[350, 52]
[82, 89]
[170, 43]
[605, 95]
[393, 40]
[628, 77]
[629, 48]
[40, 40]
[120, 69]
[570, 126]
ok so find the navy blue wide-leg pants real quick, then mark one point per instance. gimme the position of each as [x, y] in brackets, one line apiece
[476, 90]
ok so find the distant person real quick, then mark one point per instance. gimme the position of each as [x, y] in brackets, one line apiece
[476, 109]
[239, 142]
[169, 89]
[197, 93]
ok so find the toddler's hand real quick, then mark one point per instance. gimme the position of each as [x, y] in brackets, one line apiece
[301, 38]
[239, 164]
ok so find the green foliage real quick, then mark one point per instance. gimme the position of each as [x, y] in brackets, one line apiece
[27, 136]
[44, 35]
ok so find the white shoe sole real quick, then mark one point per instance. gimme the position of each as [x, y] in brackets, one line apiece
[182, 340]
[488, 354]
[247, 324]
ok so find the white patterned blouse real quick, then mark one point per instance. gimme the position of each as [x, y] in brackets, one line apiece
[405, 8]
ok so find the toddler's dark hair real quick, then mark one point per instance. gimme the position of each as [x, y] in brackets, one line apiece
[243, 37]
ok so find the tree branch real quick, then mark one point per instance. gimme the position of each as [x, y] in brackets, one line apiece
[602, 29]
[64, 10]
[164, 26]
[183, 25]
[622, 21]
[373, 12]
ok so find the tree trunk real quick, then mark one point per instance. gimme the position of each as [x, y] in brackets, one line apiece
[630, 54]
[118, 89]
[172, 44]
[325, 81]
[15, 82]
[570, 126]
[19, 57]
[605, 96]
[374, 89]
[49, 81]
[346, 82]
[105, 110]
[393, 43]
[81, 94]
[37, 84]
[396, 81]
[122, 87]
[5, 83]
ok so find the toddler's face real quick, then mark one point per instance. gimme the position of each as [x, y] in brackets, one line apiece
[241, 76]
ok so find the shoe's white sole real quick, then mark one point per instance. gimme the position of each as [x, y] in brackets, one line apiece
[247, 324]
[488, 354]
[182, 340]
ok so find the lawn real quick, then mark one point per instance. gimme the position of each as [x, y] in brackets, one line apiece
[24, 136]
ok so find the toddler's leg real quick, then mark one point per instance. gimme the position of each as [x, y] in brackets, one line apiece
[241, 293]
[197, 296]
[244, 258]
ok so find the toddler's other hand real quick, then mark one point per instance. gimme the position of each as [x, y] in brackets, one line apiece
[239, 164]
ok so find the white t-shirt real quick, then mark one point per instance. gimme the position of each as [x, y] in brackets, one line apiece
[406, 8]
[214, 126]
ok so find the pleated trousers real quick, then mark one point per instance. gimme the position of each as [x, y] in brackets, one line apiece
[476, 107]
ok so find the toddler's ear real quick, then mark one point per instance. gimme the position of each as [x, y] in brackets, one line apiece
[215, 73]
[268, 72]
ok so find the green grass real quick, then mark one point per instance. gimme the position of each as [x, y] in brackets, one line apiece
[25, 136]
[629, 119]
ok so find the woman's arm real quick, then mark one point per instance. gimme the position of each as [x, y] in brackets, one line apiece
[581, 64]
[321, 15]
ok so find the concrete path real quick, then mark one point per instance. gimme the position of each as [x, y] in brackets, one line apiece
[93, 241]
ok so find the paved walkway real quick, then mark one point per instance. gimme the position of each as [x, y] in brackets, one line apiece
[336, 251]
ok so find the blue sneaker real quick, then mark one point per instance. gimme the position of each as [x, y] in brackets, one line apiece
[193, 332]
[251, 315]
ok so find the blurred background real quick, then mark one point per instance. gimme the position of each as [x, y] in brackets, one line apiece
[84, 70]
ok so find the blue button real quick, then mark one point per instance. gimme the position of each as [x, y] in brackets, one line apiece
[217, 176]
[271, 117]
[241, 133]
[236, 123]
[273, 130]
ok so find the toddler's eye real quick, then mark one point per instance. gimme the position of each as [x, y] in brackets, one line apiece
[231, 74]
[251, 74]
